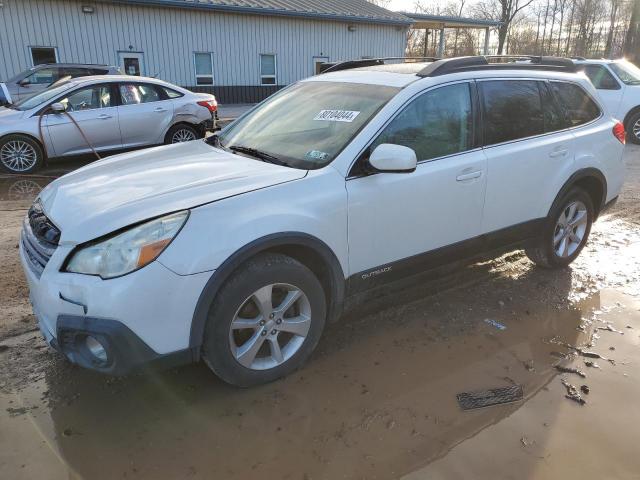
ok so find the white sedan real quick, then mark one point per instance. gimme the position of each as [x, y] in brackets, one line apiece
[101, 113]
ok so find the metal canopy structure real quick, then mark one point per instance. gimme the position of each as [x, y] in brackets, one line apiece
[422, 21]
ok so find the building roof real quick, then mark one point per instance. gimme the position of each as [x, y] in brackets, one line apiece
[341, 10]
[423, 20]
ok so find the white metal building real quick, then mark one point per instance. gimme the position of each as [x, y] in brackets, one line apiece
[241, 50]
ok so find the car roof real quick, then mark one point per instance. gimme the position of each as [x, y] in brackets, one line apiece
[403, 74]
[77, 81]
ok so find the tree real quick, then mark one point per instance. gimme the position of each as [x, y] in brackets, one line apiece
[632, 39]
[504, 11]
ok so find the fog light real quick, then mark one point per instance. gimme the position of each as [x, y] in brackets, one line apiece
[96, 349]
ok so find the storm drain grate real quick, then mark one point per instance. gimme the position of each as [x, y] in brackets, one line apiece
[487, 398]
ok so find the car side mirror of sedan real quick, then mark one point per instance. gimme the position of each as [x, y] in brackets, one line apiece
[24, 82]
[391, 158]
[58, 108]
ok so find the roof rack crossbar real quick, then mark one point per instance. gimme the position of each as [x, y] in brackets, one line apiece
[369, 62]
[482, 62]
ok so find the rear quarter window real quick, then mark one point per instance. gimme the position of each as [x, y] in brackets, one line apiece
[579, 108]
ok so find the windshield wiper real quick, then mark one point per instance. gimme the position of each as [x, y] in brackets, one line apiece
[254, 152]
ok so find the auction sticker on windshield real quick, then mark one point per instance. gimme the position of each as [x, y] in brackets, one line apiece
[336, 115]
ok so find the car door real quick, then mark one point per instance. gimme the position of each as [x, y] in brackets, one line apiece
[36, 82]
[400, 222]
[529, 151]
[93, 109]
[145, 113]
[609, 89]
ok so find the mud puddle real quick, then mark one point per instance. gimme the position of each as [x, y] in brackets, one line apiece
[377, 401]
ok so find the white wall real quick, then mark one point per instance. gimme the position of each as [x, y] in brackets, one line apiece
[169, 36]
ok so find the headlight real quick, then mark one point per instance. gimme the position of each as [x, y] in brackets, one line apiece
[127, 251]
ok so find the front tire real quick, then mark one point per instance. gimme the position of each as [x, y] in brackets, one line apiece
[633, 128]
[20, 154]
[265, 321]
[565, 232]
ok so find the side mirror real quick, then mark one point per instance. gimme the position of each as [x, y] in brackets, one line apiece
[58, 107]
[391, 158]
[24, 82]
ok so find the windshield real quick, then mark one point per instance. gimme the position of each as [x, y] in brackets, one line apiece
[627, 72]
[42, 97]
[308, 124]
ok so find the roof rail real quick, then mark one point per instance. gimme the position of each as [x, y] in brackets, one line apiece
[486, 62]
[369, 62]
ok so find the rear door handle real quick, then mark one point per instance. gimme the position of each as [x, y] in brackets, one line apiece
[160, 109]
[561, 152]
[468, 176]
[104, 116]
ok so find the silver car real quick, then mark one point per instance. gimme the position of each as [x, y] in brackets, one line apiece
[103, 113]
[36, 79]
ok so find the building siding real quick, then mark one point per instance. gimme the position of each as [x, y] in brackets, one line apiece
[168, 37]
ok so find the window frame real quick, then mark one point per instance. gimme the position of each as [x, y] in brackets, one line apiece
[55, 53]
[195, 70]
[275, 70]
[476, 144]
[114, 95]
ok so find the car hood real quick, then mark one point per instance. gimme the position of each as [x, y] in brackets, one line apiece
[122, 190]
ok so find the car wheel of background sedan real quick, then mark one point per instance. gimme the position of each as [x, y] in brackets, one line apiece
[265, 321]
[566, 231]
[20, 154]
[633, 129]
[181, 133]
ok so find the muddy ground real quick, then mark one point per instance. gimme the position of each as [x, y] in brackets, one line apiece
[378, 398]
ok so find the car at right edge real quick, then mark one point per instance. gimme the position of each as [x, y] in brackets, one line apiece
[618, 85]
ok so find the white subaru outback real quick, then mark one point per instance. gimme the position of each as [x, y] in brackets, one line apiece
[238, 249]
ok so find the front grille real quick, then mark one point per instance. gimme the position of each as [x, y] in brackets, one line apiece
[39, 239]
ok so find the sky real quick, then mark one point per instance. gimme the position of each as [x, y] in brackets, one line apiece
[402, 5]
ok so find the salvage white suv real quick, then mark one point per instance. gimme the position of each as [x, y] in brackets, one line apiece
[238, 249]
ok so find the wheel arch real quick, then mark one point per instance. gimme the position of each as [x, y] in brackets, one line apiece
[592, 181]
[197, 127]
[30, 136]
[307, 249]
[630, 114]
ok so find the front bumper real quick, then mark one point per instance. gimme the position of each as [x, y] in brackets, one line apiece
[140, 318]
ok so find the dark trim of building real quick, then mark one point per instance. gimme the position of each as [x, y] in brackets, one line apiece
[238, 93]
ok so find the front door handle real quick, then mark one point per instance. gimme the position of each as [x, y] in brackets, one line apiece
[561, 152]
[104, 116]
[468, 176]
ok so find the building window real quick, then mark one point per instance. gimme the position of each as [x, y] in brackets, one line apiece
[204, 68]
[267, 69]
[40, 55]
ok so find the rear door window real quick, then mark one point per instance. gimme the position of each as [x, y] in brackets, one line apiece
[136, 93]
[579, 108]
[512, 110]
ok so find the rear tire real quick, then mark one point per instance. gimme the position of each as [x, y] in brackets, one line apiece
[20, 154]
[565, 232]
[248, 338]
[181, 133]
[633, 128]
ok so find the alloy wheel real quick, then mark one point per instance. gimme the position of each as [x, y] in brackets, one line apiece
[183, 135]
[270, 326]
[18, 156]
[570, 229]
[636, 129]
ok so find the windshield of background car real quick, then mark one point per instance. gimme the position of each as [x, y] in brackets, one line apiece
[42, 97]
[308, 124]
[627, 72]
